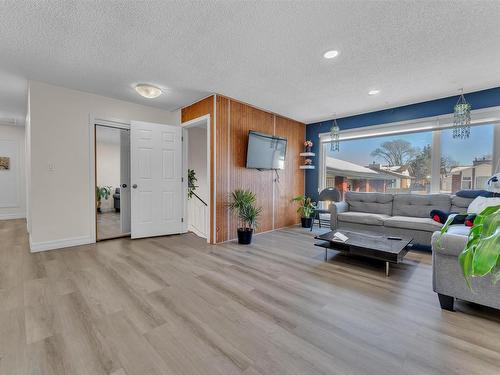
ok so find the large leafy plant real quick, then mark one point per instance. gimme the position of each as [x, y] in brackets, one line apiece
[306, 206]
[481, 255]
[102, 192]
[242, 204]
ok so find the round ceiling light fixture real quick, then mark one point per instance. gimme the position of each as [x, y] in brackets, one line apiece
[373, 92]
[331, 54]
[148, 91]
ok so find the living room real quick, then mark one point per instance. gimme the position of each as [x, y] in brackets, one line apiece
[249, 187]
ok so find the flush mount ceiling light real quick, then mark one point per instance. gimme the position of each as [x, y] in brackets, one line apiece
[148, 91]
[373, 92]
[330, 54]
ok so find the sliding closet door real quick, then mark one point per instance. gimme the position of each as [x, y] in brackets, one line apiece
[125, 181]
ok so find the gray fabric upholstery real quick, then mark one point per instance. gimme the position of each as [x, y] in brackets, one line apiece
[375, 203]
[459, 204]
[448, 244]
[416, 205]
[335, 209]
[447, 277]
[363, 218]
[418, 223]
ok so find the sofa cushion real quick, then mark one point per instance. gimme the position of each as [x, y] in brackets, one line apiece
[415, 223]
[375, 203]
[460, 204]
[417, 205]
[363, 218]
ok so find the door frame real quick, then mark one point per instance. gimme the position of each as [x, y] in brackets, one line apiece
[202, 120]
[93, 121]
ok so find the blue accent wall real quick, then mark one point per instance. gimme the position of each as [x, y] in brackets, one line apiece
[478, 100]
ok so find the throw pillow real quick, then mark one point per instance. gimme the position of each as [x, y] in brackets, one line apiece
[474, 193]
[480, 203]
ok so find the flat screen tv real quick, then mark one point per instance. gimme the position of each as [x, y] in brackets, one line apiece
[265, 151]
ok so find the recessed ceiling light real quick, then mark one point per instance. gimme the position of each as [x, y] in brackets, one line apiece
[373, 92]
[148, 91]
[330, 54]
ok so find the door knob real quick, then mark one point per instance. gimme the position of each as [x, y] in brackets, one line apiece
[124, 186]
[134, 186]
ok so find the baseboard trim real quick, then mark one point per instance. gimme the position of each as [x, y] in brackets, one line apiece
[58, 244]
[17, 215]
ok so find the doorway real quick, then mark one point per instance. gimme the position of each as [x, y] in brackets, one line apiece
[112, 182]
[196, 135]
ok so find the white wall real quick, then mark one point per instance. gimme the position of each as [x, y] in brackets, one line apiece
[60, 206]
[197, 159]
[108, 162]
[12, 181]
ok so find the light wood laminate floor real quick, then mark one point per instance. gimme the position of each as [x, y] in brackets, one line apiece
[175, 305]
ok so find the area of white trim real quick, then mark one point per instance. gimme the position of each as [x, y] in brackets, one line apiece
[59, 244]
[479, 117]
[15, 215]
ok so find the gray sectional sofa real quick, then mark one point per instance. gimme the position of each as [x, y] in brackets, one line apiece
[394, 214]
[447, 278]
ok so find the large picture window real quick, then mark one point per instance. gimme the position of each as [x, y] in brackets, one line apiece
[419, 162]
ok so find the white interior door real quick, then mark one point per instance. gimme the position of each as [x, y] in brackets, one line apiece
[156, 178]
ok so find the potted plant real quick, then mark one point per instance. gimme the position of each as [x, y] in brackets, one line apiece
[191, 182]
[308, 145]
[242, 204]
[101, 192]
[305, 210]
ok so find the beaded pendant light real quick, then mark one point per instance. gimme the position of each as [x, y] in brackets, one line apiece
[461, 118]
[334, 135]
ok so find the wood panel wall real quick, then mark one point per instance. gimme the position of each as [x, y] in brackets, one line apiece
[233, 122]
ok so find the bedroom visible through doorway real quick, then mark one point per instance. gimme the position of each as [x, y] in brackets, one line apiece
[112, 168]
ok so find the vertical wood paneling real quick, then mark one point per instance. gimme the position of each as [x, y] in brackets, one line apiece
[232, 121]
[291, 178]
[198, 109]
[243, 119]
[222, 168]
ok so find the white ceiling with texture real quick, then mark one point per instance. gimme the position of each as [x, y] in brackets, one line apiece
[268, 53]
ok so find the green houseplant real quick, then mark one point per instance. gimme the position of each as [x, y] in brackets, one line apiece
[481, 255]
[242, 204]
[101, 192]
[191, 182]
[305, 210]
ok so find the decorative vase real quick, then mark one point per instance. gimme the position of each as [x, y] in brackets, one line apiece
[308, 149]
[306, 222]
[245, 236]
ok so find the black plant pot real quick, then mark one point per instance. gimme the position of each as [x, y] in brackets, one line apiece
[244, 236]
[306, 222]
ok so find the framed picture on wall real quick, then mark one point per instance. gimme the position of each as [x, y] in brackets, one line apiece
[4, 163]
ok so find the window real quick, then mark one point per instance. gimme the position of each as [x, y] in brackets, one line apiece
[413, 161]
[466, 163]
[388, 164]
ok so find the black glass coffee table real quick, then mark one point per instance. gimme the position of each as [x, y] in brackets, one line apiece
[369, 245]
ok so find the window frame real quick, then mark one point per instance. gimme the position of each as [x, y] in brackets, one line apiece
[486, 116]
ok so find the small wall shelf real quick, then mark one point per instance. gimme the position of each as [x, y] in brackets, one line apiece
[306, 167]
[307, 154]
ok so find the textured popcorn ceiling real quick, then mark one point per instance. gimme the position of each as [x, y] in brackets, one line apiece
[265, 53]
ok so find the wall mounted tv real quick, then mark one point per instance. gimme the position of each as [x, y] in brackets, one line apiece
[265, 151]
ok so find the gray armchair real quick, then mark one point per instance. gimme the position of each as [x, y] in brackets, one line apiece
[447, 278]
